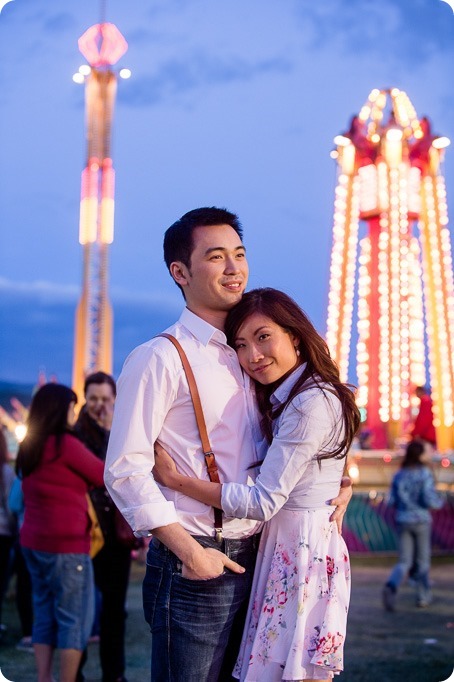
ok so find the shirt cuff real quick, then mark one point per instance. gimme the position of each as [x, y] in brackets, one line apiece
[147, 517]
[233, 500]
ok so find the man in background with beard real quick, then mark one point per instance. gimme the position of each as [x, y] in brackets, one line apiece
[112, 564]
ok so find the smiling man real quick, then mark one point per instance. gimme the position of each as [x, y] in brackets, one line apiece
[197, 583]
[193, 589]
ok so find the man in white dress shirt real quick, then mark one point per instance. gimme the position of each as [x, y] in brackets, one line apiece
[196, 587]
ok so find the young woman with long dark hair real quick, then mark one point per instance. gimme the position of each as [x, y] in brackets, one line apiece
[296, 624]
[57, 471]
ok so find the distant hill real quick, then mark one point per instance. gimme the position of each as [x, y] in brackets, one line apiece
[40, 336]
[22, 392]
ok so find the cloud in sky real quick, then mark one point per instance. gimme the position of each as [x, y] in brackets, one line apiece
[56, 23]
[178, 76]
[52, 292]
[409, 30]
[44, 290]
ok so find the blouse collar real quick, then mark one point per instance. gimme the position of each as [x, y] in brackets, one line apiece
[282, 391]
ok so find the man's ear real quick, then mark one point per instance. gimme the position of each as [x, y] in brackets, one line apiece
[179, 272]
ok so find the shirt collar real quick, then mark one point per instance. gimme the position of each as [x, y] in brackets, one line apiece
[203, 331]
[282, 391]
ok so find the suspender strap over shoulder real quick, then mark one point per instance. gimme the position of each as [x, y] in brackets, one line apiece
[210, 459]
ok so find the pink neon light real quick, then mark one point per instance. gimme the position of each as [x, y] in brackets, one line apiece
[108, 180]
[89, 185]
[102, 45]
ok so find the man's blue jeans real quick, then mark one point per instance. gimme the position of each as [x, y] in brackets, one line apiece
[414, 547]
[196, 625]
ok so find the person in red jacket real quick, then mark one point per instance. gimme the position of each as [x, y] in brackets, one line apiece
[423, 427]
[57, 472]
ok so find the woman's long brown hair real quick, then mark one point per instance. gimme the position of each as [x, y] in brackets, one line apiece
[320, 370]
[48, 416]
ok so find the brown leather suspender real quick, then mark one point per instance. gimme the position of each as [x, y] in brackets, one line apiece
[208, 453]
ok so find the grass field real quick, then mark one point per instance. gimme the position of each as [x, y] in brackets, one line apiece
[411, 644]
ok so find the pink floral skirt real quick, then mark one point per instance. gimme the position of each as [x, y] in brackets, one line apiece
[296, 623]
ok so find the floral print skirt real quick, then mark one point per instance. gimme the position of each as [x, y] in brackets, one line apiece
[296, 623]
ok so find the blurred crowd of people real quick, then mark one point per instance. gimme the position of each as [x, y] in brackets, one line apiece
[65, 598]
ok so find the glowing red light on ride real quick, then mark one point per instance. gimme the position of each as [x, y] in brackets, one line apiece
[445, 462]
[387, 457]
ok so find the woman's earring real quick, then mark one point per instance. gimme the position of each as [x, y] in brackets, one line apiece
[297, 352]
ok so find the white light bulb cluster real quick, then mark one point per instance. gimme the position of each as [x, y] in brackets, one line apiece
[337, 261]
[416, 316]
[437, 287]
[445, 246]
[404, 113]
[383, 190]
[446, 301]
[342, 271]
[372, 111]
[401, 109]
[404, 252]
[414, 190]
[395, 293]
[368, 193]
[80, 75]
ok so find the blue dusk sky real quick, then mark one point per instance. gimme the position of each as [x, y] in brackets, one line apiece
[231, 103]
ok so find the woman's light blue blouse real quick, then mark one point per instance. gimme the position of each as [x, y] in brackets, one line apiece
[291, 477]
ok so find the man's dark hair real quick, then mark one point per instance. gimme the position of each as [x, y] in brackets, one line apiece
[100, 378]
[178, 239]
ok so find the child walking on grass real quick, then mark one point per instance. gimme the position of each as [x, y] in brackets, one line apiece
[413, 495]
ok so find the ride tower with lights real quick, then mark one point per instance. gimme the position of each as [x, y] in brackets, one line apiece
[390, 185]
[102, 45]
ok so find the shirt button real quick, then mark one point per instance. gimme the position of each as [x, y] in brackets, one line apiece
[80, 567]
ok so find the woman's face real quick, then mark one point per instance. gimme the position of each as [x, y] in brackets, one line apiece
[265, 350]
[71, 418]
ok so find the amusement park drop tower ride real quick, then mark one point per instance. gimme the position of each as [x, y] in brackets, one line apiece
[389, 177]
[102, 45]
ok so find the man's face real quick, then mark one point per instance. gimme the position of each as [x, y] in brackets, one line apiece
[218, 272]
[99, 400]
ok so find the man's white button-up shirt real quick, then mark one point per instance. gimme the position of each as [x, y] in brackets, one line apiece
[154, 404]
